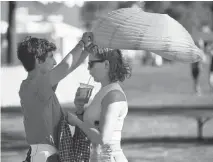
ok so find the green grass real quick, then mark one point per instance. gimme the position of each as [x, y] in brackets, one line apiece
[169, 85]
[161, 83]
[14, 145]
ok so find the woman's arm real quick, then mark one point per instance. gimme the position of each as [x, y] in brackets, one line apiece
[109, 114]
[71, 61]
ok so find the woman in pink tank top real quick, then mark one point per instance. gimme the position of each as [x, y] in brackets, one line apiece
[109, 68]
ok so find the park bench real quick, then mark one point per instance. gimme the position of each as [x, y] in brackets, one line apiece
[202, 114]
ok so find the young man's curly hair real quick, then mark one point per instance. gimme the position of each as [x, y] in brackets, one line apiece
[119, 67]
[31, 48]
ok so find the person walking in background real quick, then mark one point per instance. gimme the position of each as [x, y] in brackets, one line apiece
[195, 67]
[211, 73]
[195, 70]
[40, 106]
[103, 119]
[210, 51]
[207, 47]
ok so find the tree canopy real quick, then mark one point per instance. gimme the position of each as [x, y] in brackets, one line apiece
[191, 14]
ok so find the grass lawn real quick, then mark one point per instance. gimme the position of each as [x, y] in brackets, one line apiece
[169, 85]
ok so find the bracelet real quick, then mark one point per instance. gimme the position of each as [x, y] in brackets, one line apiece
[79, 113]
[80, 43]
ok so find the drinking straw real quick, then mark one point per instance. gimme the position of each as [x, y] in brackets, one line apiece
[89, 80]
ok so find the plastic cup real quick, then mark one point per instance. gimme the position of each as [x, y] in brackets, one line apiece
[84, 93]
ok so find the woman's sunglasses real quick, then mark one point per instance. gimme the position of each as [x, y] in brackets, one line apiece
[91, 63]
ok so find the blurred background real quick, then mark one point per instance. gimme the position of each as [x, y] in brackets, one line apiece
[156, 83]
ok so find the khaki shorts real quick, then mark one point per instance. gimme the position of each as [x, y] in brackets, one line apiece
[40, 152]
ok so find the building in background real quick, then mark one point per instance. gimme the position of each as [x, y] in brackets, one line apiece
[58, 22]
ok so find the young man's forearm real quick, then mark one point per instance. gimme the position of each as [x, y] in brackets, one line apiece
[81, 59]
[72, 58]
[67, 65]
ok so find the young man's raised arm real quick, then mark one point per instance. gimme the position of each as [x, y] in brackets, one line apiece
[71, 61]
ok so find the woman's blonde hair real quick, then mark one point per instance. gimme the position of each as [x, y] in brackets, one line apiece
[119, 67]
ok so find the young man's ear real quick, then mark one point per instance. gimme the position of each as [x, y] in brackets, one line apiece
[38, 61]
[107, 64]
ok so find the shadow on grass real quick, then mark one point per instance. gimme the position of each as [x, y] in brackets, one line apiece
[11, 109]
[13, 141]
[16, 142]
[176, 140]
[11, 137]
[132, 108]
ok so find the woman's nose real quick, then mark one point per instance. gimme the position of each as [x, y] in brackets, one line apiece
[54, 63]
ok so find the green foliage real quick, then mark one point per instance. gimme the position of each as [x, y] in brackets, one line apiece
[93, 9]
[191, 14]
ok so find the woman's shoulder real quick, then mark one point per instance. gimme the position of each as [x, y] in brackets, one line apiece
[114, 96]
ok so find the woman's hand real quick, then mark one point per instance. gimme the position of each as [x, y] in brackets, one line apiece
[78, 101]
[87, 38]
[72, 119]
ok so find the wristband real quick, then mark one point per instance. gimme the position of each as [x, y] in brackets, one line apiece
[81, 113]
[82, 42]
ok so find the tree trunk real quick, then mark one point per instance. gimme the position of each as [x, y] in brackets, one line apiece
[11, 32]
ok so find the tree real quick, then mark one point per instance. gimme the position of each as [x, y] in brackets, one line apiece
[191, 14]
[11, 32]
[92, 10]
[195, 16]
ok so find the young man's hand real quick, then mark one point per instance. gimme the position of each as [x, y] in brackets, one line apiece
[87, 38]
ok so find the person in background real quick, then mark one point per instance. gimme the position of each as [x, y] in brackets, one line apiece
[210, 52]
[211, 73]
[103, 119]
[195, 70]
[40, 106]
